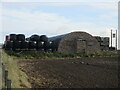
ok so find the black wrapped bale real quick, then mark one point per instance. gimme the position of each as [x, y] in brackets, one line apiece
[43, 38]
[27, 39]
[8, 45]
[50, 44]
[24, 45]
[53, 46]
[39, 45]
[20, 37]
[32, 44]
[16, 45]
[46, 46]
[3, 46]
[98, 38]
[35, 38]
[12, 37]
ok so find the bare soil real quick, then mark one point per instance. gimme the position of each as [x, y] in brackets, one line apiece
[96, 72]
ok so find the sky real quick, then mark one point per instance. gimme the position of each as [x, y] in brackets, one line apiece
[56, 17]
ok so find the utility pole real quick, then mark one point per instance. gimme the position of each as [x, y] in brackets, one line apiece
[111, 38]
[116, 40]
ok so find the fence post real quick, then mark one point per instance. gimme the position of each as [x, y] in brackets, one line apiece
[6, 81]
[6, 76]
[3, 74]
[8, 84]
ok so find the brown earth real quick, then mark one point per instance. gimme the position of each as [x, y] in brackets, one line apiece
[97, 72]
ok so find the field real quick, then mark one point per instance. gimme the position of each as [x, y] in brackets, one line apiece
[84, 72]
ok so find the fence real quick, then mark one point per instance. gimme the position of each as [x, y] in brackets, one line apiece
[6, 82]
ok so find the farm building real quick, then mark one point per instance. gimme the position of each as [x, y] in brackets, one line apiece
[75, 42]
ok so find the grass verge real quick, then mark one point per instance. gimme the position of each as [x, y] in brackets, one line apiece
[19, 78]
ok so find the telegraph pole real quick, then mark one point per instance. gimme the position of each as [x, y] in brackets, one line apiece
[111, 38]
[116, 40]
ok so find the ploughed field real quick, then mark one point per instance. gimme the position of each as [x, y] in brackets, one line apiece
[96, 72]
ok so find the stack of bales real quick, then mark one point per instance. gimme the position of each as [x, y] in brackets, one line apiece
[35, 42]
[15, 42]
[9, 42]
[104, 42]
[19, 43]
[38, 42]
[46, 43]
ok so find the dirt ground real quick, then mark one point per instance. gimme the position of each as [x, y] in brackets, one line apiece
[97, 72]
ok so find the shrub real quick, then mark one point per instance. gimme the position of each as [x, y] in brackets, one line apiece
[46, 55]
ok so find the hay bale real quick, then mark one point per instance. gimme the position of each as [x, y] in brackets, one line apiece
[16, 45]
[8, 45]
[24, 45]
[12, 37]
[35, 38]
[20, 37]
[44, 38]
[32, 44]
[39, 45]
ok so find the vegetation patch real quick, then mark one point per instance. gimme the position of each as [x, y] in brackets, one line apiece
[55, 55]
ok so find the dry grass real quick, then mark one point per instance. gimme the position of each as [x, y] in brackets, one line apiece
[19, 78]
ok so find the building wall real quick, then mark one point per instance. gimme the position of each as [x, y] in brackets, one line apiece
[81, 46]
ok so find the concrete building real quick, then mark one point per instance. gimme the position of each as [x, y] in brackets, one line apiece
[75, 42]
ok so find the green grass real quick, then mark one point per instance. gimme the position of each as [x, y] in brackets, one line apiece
[55, 55]
[19, 78]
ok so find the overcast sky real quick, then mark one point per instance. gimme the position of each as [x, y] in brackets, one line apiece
[55, 17]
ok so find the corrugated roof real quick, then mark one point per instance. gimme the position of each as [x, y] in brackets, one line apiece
[56, 37]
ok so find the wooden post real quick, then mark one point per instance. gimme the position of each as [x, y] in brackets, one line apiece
[5, 80]
[3, 74]
[6, 76]
[8, 84]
